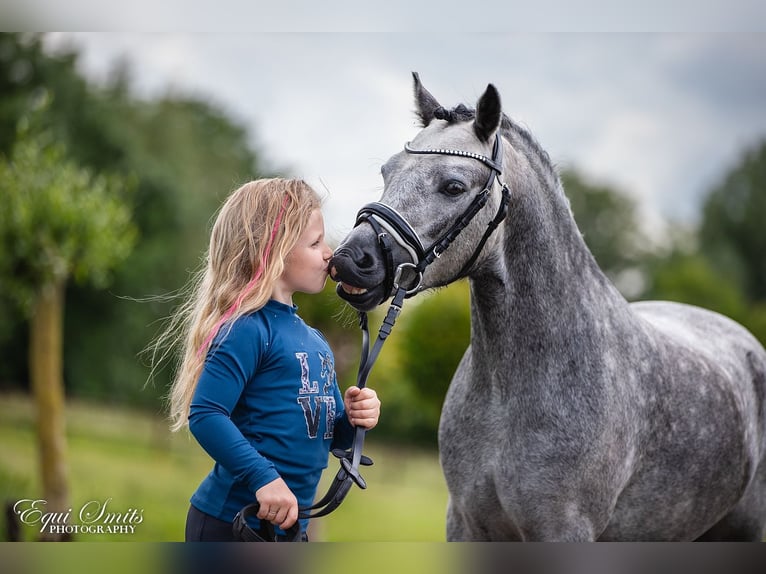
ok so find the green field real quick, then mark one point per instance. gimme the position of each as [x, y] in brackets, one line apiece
[130, 460]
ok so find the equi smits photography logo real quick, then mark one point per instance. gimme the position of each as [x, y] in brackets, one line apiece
[93, 517]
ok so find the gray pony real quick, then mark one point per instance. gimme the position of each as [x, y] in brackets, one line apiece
[573, 415]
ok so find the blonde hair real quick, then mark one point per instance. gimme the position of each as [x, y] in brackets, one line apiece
[255, 229]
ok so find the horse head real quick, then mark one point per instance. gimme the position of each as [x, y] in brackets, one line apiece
[443, 197]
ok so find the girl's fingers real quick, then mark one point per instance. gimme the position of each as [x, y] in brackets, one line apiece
[279, 517]
[291, 518]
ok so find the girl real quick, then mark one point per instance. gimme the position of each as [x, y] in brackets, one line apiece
[256, 384]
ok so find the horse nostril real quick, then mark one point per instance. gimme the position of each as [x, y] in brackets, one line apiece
[358, 256]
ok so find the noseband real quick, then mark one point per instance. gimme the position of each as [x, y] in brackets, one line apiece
[387, 222]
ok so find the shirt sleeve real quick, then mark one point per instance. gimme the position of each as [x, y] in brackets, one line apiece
[230, 363]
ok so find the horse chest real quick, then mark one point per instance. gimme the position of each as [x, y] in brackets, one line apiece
[488, 451]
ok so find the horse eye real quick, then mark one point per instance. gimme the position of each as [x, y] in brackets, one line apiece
[452, 188]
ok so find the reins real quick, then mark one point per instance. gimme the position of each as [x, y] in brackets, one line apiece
[348, 474]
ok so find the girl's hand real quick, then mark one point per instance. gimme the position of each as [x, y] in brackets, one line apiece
[362, 407]
[278, 504]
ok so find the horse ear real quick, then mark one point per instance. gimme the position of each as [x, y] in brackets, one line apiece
[425, 102]
[488, 113]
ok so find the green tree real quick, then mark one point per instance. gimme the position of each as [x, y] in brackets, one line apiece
[690, 278]
[28, 76]
[418, 362]
[733, 238]
[732, 232]
[183, 154]
[608, 220]
[59, 222]
[720, 265]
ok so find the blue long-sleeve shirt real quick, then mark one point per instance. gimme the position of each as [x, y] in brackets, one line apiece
[267, 405]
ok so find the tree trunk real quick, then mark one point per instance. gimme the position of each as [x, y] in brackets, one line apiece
[46, 372]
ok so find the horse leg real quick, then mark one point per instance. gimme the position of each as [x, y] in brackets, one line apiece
[463, 528]
[460, 529]
[747, 520]
[556, 531]
[540, 525]
[457, 528]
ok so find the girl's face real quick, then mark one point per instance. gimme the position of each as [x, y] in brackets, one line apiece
[306, 264]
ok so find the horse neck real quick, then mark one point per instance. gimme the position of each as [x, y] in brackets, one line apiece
[544, 287]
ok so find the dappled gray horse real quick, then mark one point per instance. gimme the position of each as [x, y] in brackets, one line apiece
[573, 415]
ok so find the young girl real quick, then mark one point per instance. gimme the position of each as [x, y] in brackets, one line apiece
[256, 384]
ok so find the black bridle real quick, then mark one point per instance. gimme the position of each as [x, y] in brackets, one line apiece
[386, 221]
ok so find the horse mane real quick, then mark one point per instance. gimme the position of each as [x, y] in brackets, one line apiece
[462, 113]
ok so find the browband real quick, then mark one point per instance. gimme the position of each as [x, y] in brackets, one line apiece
[493, 163]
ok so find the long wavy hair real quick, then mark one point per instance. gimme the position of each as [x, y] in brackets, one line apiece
[255, 229]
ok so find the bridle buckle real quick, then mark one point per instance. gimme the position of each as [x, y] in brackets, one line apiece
[398, 277]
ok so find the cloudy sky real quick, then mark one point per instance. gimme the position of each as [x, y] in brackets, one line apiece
[660, 115]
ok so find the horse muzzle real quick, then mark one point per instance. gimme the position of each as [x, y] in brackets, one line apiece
[360, 277]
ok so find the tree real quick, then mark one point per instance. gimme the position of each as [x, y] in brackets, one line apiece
[416, 366]
[732, 232]
[608, 221]
[59, 222]
[183, 154]
[690, 278]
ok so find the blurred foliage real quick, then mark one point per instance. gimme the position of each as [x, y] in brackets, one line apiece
[432, 338]
[732, 234]
[183, 155]
[721, 264]
[608, 220]
[690, 278]
[58, 220]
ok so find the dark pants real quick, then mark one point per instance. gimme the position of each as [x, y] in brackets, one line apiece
[201, 527]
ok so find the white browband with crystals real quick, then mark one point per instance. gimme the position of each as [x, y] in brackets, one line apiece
[482, 158]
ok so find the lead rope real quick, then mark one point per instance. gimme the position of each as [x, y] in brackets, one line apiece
[350, 460]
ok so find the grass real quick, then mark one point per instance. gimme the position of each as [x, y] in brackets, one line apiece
[131, 459]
